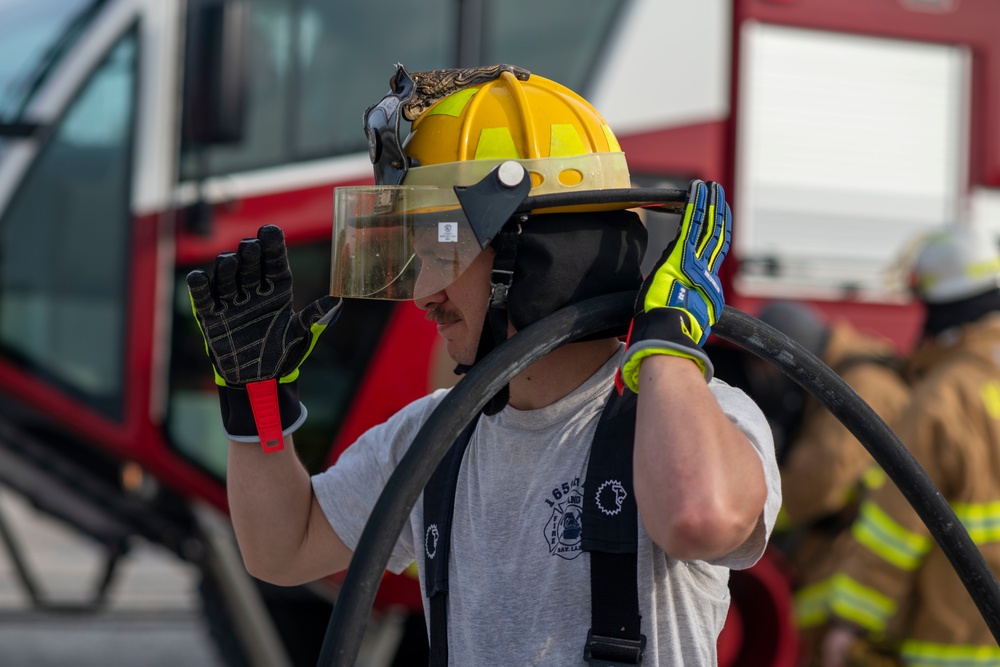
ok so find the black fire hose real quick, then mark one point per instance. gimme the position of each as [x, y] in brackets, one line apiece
[837, 396]
[354, 603]
[853, 412]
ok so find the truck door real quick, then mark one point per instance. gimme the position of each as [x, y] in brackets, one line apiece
[70, 179]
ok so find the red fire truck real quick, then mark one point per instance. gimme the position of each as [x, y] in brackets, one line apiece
[140, 138]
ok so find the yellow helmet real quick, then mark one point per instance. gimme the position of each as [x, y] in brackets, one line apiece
[485, 144]
[556, 135]
[489, 148]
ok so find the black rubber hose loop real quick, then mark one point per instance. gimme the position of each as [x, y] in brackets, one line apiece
[392, 510]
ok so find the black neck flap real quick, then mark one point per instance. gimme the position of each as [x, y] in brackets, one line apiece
[941, 316]
[549, 261]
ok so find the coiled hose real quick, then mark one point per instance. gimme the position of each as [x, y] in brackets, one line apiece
[354, 603]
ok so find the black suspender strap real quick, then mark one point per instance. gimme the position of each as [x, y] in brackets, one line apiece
[439, 506]
[614, 638]
[610, 532]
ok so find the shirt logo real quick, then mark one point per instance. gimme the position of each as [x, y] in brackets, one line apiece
[564, 528]
[610, 494]
[431, 538]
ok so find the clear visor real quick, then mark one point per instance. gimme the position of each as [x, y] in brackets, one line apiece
[398, 242]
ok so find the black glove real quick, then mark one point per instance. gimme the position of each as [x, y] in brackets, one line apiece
[255, 340]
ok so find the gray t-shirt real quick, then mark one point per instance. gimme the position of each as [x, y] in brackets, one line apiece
[519, 585]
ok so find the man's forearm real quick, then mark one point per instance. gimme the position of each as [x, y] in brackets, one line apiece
[270, 500]
[699, 483]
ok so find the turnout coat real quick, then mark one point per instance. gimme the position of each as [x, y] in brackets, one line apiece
[824, 473]
[894, 578]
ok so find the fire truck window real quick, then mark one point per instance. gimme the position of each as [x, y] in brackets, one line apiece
[560, 42]
[334, 370]
[63, 243]
[270, 71]
[317, 65]
[34, 35]
[339, 83]
[310, 77]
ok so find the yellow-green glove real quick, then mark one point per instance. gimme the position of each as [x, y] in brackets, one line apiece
[682, 298]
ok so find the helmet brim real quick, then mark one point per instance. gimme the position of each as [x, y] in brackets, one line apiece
[408, 242]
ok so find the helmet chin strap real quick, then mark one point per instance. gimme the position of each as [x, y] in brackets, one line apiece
[489, 205]
[495, 324]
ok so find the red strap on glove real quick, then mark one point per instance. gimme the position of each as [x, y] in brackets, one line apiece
[267, 416]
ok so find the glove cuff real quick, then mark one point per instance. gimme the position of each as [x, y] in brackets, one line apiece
[661, 331]
[262, 412]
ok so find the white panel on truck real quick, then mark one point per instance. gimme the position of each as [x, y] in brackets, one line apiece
[848, 146]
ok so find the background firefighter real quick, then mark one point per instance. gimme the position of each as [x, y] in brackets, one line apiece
[894, 586]
[823, 466]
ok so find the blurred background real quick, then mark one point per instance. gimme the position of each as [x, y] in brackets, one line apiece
[140, 138]
[151, 615]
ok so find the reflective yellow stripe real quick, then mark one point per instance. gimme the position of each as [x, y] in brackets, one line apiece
[453, 104]
[811, 604]
[890, 541]
[706, 233]
[783, 522]
[873, 478]
[927, 654]
[496, 143]
[565, 140]
[316, 330]
[982, 520]
[860, 604]
[613, 145]
[991, 398]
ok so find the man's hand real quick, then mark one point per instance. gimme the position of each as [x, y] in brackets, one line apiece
[256, 341]
[682, 297]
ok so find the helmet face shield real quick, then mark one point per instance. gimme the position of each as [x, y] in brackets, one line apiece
[398, 242]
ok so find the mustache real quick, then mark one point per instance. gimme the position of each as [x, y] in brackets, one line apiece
[439, 315]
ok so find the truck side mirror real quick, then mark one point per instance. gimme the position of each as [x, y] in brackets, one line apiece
[216, 73]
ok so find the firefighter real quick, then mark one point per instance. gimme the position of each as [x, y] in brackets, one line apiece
[703, 491]
[894, 586]
[823, 466]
